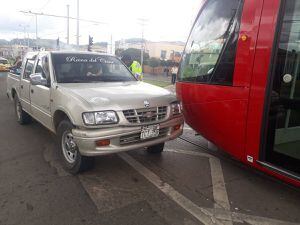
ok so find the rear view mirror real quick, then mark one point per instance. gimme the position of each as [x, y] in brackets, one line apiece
[37, 79]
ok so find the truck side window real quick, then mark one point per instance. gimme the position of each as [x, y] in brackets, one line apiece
[39, 68]
[42, 67]
[28, 68]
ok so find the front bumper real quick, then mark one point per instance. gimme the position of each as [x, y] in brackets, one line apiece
[86, 139]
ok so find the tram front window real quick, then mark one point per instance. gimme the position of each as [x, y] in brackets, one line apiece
[210, 51]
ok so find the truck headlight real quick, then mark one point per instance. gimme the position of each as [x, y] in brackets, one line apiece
[176, 108]
[103, 117]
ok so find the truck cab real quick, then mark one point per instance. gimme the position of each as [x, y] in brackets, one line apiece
[94, 105]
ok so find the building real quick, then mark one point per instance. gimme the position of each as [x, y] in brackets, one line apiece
[12, 51]
[163, 50]
[6, 51]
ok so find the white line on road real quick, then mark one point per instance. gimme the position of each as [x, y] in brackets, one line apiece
[188, 152]
[250, 219]
[181, 200]
[218, 186]
[218, 183]
[204, 215]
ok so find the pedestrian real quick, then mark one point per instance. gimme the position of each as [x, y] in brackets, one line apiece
[166, 71]
[134, 66]
[18, 62]
[174, 71]
[16, 68]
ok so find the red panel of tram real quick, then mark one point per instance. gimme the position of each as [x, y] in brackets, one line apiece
[216, 104]
[239, 82]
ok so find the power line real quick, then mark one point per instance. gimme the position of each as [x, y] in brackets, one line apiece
[59, 16]
[36, 14]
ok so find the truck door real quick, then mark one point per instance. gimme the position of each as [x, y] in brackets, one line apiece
[25, 85]
[40, 94]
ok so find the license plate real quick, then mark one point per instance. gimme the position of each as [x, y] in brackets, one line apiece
[150, 131]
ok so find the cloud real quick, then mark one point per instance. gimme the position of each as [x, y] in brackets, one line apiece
[167, 20]
[16, 24]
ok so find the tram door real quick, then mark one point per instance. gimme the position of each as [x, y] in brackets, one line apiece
[282, 147]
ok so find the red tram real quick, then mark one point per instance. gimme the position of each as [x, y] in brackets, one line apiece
[239, 82]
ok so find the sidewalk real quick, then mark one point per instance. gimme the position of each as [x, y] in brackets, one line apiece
[158, 80]
[160, 77]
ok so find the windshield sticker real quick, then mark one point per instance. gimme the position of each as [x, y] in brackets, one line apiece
[75, 59]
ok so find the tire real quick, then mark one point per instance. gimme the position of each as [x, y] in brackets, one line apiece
[156, 149]
[71, 158]
[22, 116]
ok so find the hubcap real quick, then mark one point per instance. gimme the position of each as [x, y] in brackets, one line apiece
[69, 147]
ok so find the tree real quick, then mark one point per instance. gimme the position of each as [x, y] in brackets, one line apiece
[167, 63]
[134, 53]
[154, 62]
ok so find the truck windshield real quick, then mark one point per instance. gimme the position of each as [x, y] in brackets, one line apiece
[86, 68]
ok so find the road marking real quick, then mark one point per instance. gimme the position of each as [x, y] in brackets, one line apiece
[218, 215]
[218, 186]
[199, 213]
[218, 183]
[241, 218]
[188, 152]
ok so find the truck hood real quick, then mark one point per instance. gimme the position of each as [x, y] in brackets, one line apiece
[119, 95]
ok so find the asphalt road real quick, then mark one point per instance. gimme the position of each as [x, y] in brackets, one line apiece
[182, 186]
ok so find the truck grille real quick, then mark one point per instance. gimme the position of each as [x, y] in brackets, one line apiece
[135, 138]
[146, 115]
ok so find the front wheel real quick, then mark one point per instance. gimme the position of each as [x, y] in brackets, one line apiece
[73, 161]
[155, 149]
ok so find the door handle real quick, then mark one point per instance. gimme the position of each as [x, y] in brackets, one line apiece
[31, 91]
[21, 86]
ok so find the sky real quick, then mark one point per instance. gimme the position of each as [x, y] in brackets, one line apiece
[165, 20]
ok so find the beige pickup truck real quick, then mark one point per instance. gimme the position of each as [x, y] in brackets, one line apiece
[93, 104]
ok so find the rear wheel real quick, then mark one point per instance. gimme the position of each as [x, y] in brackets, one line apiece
[155, 149]
[22, 116]
[73, 161]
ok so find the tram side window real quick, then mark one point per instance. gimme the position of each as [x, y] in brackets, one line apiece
[288, 64]
[210, 51]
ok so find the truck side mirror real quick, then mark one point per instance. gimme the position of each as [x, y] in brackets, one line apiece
[37, 79]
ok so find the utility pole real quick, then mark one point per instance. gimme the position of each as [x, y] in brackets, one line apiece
[68, 24]
[111, 44]
[28, 40]
[36, 32]
[142, 22]
[77, 41]
[142, 47]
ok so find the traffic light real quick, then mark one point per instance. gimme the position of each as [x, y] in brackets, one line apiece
[90, 43]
